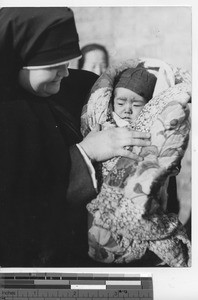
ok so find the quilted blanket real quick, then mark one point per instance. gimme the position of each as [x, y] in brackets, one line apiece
[129, 214]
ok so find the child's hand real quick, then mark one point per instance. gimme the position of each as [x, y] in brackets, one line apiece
[103, 145]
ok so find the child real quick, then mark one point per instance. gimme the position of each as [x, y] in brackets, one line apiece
[134, 88]
[95, 58]
[129, 215]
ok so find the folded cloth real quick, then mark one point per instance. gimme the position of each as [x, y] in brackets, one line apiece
[128, 216]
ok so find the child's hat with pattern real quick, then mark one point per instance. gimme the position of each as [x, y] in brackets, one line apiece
[138, 80]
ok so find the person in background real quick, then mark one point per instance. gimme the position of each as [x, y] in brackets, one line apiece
[46, 178]
[95, 58]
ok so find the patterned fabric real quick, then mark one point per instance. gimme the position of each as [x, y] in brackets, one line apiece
[128, 216]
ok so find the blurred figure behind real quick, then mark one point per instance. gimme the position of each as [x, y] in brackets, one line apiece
[95, 58]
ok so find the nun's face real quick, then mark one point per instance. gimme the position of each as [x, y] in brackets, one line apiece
[43, 82]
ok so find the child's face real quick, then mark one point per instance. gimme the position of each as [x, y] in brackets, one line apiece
[95, 61]
[43, 82]
[127, 104]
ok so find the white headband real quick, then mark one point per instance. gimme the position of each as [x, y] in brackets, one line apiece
[51, 65]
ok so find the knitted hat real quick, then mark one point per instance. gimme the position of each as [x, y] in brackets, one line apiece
[138, 80]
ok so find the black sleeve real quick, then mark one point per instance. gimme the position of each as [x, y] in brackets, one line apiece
[71, 98]
[80, 188]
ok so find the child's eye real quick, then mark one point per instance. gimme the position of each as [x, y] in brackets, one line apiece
[120, 102]
[137, 105]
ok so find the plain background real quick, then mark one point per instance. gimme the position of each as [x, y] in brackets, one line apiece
[169, 283]
[128, 31]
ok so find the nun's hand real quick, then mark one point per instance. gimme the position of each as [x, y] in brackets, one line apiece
[103, 145]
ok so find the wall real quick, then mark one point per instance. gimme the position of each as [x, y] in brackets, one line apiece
[128, 32]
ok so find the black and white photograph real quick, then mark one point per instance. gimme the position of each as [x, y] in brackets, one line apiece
[96, 138]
